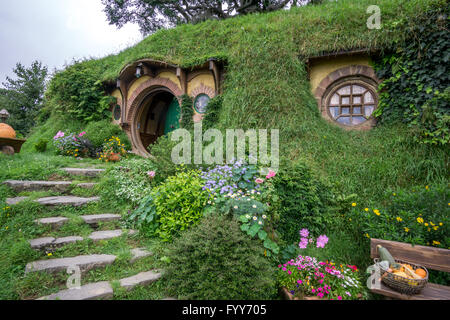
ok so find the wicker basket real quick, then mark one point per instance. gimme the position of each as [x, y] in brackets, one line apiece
[402, 284]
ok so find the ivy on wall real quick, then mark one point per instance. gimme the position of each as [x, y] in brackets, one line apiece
[415, 89]
[187, 112]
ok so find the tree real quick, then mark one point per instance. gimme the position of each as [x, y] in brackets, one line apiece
[23, 96]
[152, 15]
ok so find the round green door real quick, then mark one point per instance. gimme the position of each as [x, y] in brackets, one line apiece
[172, 117]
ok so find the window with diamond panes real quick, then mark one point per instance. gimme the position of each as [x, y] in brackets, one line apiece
[351, 104]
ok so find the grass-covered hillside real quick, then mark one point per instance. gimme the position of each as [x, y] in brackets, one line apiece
[266, 86]
[336, 187]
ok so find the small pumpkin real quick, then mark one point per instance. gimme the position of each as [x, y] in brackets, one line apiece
[6, 131]
[421, 273]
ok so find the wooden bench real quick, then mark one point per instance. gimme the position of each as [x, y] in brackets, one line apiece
[429, 257]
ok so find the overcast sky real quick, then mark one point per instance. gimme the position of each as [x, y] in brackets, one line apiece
[56, 31]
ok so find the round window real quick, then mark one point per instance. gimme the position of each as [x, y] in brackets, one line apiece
[351, 104]
[117, 112]
[201, 102]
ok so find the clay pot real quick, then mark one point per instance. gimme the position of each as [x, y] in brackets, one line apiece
[114, 157]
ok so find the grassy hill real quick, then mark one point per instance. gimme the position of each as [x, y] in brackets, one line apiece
[266, 86]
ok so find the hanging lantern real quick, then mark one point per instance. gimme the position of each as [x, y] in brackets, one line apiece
[139, 70]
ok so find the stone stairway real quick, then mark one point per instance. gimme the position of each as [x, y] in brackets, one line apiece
[85, 262]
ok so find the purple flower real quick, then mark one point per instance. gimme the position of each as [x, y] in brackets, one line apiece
[322, 241]
[303, 243]
[304, 233]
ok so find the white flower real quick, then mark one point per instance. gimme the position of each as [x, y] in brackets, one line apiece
[254, 206]
[247, 216]
[255, 218]
[260, 222]
[248, 199]
[236, 207]
[264, 216]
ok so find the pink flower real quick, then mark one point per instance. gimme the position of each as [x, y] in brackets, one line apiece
[304, 233]
[299, 281]
[289, 272]
[284, 269]
[348, 293]
[82, 134]
[151, 174]
[322, 241]
[339, 298]
[259, 181]
[303, 243]
[313, 290]
[271, 174]
[320, 295]
[321, 281]
[60, 134]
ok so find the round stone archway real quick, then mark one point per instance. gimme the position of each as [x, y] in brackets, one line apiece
[137, 104]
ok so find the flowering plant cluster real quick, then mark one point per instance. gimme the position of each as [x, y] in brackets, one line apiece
[306, 276]
[130, 180]
[72, 144]
[320, 242]
[418, 216]
[237, 189]
[112, 147]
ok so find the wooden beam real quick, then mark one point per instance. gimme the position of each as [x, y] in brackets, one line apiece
[429, 257]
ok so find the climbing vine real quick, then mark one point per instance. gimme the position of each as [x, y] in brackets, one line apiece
[416, 77]
[187, 112]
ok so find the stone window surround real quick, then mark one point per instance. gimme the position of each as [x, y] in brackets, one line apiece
[364, 75]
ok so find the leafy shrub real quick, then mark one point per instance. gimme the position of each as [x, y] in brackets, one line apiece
[216, 261]
[100, 131]
[300, 200]
[161, 153]
[415, 89]
[419, 215]
[77, 91]
[41, 145]
[129, 181]
[178, 204]
[211, 117]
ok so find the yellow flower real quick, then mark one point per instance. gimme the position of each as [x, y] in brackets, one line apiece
[406, 229]
[427, 187]
[419, 220]
[441, 224]
[377, 212]
[49, 254]
[399, 219]
[431, 222]
[354, 204]
[426, 224]
[436, 243]
[435, 228]
[366, 209]
[394, 194]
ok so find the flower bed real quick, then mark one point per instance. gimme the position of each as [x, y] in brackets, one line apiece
[307, 278]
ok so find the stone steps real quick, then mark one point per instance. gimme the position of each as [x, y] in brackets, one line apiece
[103, 290]
[56, 201]
[87, 172]
[50, 243]
[93, 220]
[56, 186]
[85, 263]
